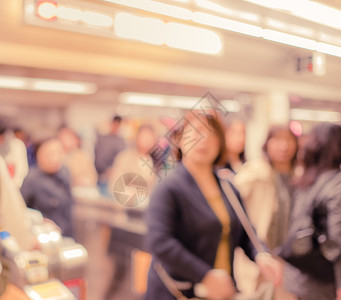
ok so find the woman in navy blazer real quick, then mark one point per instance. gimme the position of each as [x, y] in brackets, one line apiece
[185, 231]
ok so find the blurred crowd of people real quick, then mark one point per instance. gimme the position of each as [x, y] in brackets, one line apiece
[192, 227]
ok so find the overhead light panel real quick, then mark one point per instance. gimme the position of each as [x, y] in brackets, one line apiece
[47, 85]
[148, 30]
[142, 99]
[227, 24]
[11, 82]
[171, 101]
[315, 115]
[231, 105]
[62, 86]
[192, 38]
[176, 35]
[305, 9]
[329, 49]
[53, 11]
[96, 19]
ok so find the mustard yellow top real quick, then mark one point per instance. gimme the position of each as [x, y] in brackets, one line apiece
[222, 260]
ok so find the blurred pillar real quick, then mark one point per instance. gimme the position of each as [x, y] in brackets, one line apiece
[270, 108]
[279, 112]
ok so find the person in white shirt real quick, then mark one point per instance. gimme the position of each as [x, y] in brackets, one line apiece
[14, 153]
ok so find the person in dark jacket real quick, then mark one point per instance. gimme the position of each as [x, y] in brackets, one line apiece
[47, 185]
[106, 149]
[320, 185]
[192, 229]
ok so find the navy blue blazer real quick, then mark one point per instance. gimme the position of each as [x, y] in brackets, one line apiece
[184, 233]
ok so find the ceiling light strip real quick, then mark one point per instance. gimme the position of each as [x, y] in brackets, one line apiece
[314, 115]
[227, 24]
[305, 9]
[94, 18]
[157, 32]
[47, 85]
[184, 102]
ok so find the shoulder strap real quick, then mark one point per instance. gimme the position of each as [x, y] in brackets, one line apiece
[240, 212]
[169, 282]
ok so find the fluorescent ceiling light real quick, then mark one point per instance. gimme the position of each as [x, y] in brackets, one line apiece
[91, 18]
[157, 32]
[47, 85]
[315, 115]
[61, 86]
[305, 9]
[11, 82]
[171, 101]
[329, 49]
[69, 13]
[231, 105]
[142, 99]
[289, 39]
[183, 102]
[226, 24]
[52, 11]
[192, 38]
[97, 19]
[148, 30]
[156, 7]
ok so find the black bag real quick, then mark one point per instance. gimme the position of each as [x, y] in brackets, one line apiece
[308, 247]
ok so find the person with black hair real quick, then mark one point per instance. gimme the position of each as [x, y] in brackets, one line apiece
[47, 185]
[192, 227]
[106, 149]
[318, 197]
[235, 145]
[265, 185]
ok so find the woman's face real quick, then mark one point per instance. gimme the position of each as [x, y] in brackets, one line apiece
[235, 138]
[281, 147]
[50, 156]
[199, 143]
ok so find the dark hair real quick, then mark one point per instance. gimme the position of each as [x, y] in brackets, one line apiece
[117, 119]
[217, 127]
[3, 127]
[228, 124]
[275, 129]
[321, 152]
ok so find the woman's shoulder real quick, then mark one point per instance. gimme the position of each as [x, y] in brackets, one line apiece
[176, 181]
[33, 173]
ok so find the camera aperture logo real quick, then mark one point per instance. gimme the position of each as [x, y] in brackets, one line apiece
[130, 190]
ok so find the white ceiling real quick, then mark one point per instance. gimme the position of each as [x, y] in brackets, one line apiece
[247, 65]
